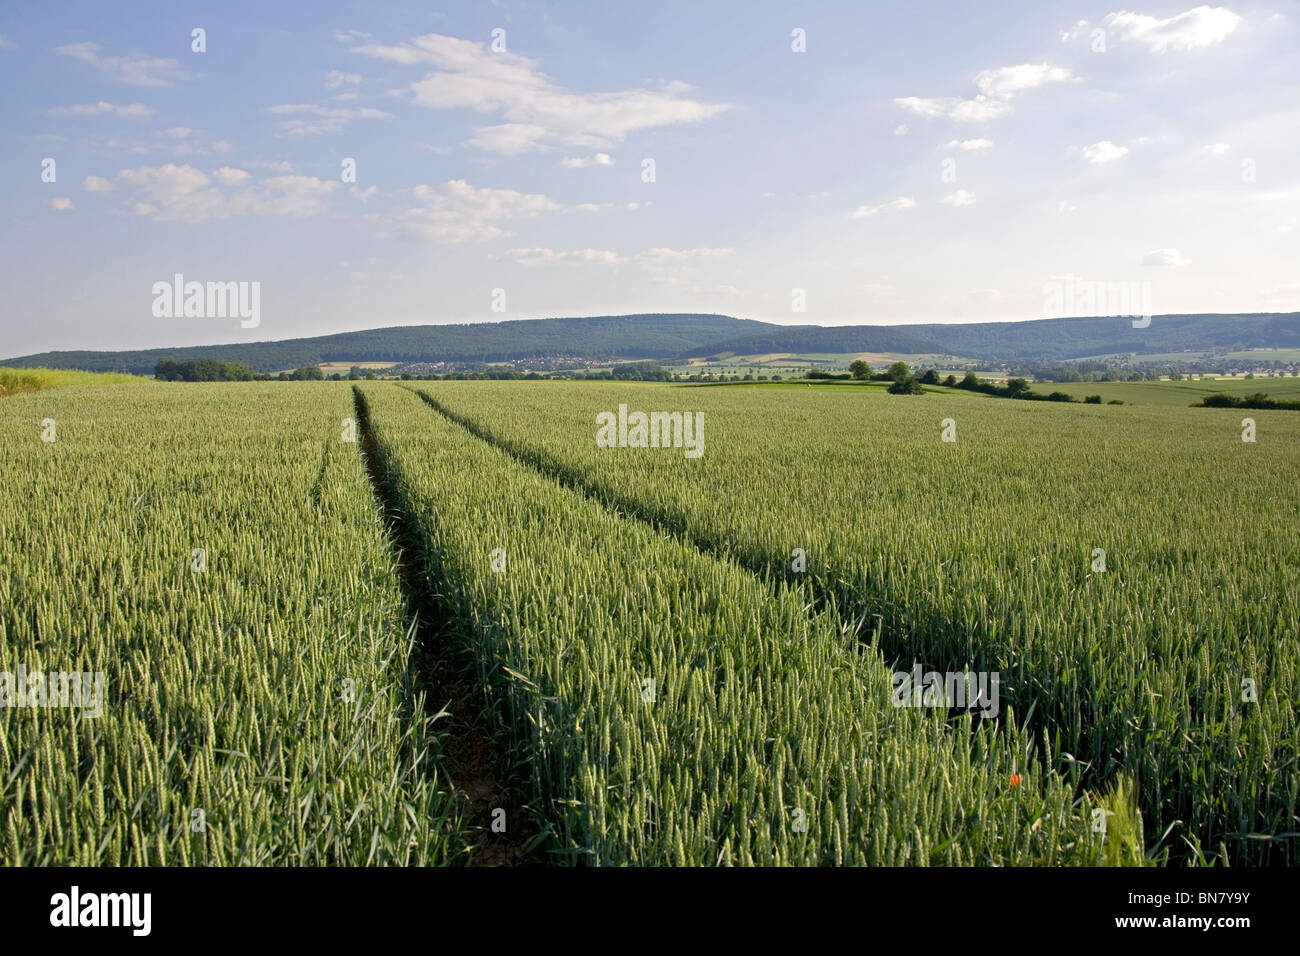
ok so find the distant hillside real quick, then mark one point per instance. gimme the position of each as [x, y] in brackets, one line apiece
[679, 336]
[1036, 340]
[657, 336]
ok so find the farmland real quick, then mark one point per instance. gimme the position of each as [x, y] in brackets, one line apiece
[215, 553]
[15, 380]
[681, 660]
[982, 551]
[1184, 393]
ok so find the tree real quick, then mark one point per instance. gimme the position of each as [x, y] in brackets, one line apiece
[1017, 385]
[908, 386]
[899, 372]
[950, 381]
[930, 377]
[202, 370]
[859, 369]
[970, 380]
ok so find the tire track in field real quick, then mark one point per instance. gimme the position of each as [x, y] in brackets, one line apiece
[665, 523]
[851, 611]
[444, 665]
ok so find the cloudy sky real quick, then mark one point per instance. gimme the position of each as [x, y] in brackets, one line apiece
[896, 162]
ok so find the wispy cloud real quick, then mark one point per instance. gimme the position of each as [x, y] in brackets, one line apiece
[544, 256]
[458, 212]
[1191, 30]
[537, 111]
[327, 119]
[1104, 152]
[997, 88]
[866, 211]
[582, 162]
[101, 108]
[1165, 257]
[336, 78]
[133, 70]
[184, 193]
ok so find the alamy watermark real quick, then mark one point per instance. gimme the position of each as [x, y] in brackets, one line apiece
[652, 430]
[84, 691]
[965, 689]
[133, 911]
[179, 299]
[1072, 297]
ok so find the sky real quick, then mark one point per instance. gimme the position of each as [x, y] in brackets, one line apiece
[803, 163]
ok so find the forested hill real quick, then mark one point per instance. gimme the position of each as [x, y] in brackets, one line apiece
[656, 336]
[678, 336]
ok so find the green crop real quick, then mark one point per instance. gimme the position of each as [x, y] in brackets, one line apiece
[1178, 664]
[672, 708]
[259, 711]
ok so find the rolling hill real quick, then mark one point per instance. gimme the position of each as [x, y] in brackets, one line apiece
[677, 336]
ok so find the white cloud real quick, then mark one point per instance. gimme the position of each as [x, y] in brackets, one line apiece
[1190, 30]
[508, 138]
[1104, 152]
[1064, 206]
[96, 184]
[131, 111]
[581, 162]
[329, 119]
[1165, 257]
[6, 43]
[902, 202]
[336, 78]
[996, 90]
[298, 196]
[364, 195]
[543, 256]
[350, 36]
[664, 254]
[61, 203]
[900, 129]
[274, 165]
[969, 144]
[537, 111]
[175, 192]
[185, 194]
[179, 142]
[634, 206]
[965, 111]
[1217, 149]
[1009, 81]
[132, 70]
[960, 198]
[459, 212]
[229, 176]
[1079, 29]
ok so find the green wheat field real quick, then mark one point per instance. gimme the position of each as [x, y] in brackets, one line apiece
[436, 623]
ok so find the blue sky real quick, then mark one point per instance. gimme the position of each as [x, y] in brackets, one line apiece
[916, 162]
